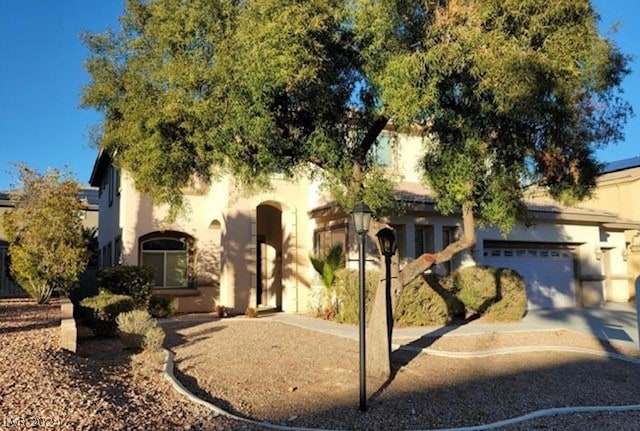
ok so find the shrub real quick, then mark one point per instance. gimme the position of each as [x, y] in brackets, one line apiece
[138, 330]
[513, 304]
[497, 294]
[134, 281]
[161, 306]
[154, 338]
[106, 307]
[428, 301]
[347, 289]
[132, 327]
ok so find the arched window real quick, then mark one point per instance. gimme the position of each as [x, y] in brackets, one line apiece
[169, 258]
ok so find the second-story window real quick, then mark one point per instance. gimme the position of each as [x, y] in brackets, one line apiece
[385, 151]
[111, 183]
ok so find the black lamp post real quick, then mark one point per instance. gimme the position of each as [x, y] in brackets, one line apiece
[361, 215]
[388, 247]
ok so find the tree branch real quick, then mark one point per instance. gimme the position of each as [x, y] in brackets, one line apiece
[427, 260]
[369, 139]
[317, 161]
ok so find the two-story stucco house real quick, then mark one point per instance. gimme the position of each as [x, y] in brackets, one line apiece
[241, 251]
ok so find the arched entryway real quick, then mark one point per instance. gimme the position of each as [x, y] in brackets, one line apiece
[269, 255]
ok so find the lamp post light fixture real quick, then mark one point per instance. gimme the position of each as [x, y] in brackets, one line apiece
[387, 241]
[361, 215]
[388, 247]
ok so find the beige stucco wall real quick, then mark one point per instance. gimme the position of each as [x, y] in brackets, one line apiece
[618, 192]
[225, 226]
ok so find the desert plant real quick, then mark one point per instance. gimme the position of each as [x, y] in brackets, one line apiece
[154, 338]
[513, 302]
[346, 287]
[428, 301]
[134, 281]
[132, 327]
[161, 306]
[496, 294]
[106, 307]
[326, 268]
[251, 312]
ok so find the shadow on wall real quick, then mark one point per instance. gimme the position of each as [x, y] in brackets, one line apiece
[238, 258]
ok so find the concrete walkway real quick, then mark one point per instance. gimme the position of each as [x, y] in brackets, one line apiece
[614, 322]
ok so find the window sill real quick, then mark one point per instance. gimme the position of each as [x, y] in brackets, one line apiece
[177, 291]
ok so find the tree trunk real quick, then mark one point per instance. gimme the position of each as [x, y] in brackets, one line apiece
[380, 328]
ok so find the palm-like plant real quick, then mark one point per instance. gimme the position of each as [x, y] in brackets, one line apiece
[326, 268]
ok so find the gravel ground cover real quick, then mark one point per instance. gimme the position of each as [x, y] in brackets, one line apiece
[291, 376]
[270, 371]
[103, 387]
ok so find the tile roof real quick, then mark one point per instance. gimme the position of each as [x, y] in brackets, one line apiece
[420, 194]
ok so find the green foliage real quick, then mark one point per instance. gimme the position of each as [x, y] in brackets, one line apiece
[496, 294]
[47, 249]
[428, 301]
[326, 268]
[106, 307]
[132, 327]
[347, 292]
[134, 281]
[503, 91]
[161, 306]
[507, 90]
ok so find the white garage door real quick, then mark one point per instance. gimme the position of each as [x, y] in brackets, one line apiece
[547, 272]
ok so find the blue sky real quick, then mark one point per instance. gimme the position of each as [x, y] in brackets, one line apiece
[41, 77]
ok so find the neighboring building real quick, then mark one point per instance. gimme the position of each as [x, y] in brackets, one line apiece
[618, 190]
[89, 215]
[241, 252]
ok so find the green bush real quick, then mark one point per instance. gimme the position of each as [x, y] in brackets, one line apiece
[134, 281]
[162, 306]
[496, 294]
[132, 327]
[513, 304]
[428, 301]
[105, 308]
[346, 288]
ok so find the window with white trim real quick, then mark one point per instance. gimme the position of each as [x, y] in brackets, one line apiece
[169, 259]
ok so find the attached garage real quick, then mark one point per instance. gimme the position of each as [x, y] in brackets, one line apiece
[548, 272]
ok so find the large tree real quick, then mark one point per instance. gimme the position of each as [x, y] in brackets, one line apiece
[504, 92]
[47, 247]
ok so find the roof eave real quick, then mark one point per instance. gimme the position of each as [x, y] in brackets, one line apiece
[99, 168]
